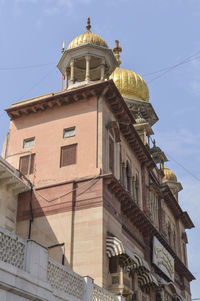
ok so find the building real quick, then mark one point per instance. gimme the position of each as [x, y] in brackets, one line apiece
[102, 201]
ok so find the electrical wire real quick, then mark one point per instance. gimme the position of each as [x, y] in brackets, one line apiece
[68, 192]
[38, 82]
[172, 68]
[186, 60]
[25, 67]
[178, 163]
[189, 172]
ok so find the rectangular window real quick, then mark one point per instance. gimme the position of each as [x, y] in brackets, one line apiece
[111, 154]
[26, 164]
[30, 142]
[70, 132]
[68, 155]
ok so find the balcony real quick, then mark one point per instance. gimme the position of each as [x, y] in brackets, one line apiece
[121, 284]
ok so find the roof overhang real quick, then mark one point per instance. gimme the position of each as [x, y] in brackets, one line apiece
[10, 177]
[146, 109]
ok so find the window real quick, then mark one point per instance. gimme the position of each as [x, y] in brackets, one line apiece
[30, 142]
[70, 132]
[113, 264]
[111, 154]
[68, 155]
[136, 188]
[128, 178]
[26, 164]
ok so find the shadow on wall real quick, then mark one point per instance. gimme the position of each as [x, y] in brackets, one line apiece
[53, 211]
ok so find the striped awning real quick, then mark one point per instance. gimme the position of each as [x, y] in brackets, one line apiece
[114, 247]
[147, 279]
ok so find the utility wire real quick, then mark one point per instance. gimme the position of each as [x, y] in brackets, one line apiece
[37, 83]
[68, 192]
[172, 68]
[189, 172]
[25, 67]
[186, 60]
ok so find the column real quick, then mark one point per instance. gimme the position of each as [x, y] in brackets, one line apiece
[102, 69]
[36, 261]
[87, 73]
[71, 72]
[66, 80]
[88, 288]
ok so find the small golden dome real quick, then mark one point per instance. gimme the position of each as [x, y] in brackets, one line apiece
[87, 38]
[169, 175]
[130, 84]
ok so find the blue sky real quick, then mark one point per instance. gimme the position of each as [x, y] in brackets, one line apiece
[154, 34]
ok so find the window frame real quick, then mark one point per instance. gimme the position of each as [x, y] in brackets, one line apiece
[61, 154]
[27, 140]
[31, 164]
[68, 129]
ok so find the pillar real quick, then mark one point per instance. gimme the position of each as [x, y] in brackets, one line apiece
[72, 72]
[36, 260]
[66, 80]
[87, 73]
[102, 69]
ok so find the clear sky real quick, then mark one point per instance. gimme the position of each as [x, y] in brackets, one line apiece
[154, 34]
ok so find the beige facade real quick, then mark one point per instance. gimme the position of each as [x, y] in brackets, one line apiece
[10, 186]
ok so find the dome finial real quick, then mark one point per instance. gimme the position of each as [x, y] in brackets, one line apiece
[88, 24]
[117, 49]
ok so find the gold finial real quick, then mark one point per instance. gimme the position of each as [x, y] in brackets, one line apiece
[88, 24]
[63, 46]
[117, 49]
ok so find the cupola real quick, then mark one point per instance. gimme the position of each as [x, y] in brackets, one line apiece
[134, 90]
[86, 59]
[130, 84]
[158, 155]
[171, 180]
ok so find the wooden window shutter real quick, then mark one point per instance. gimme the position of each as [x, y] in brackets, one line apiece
[68, 155]
[24, 164]
[32, 163]
[111, 154]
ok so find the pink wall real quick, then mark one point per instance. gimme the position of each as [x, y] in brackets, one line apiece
[47, 128]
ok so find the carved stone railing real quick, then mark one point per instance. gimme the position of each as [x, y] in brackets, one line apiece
[12, 249]
[100, 294]
[38, 270]
[66, 280]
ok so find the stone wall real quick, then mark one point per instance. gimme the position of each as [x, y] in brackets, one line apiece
[27, 273]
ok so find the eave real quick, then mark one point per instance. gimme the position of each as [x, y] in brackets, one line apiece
[10, 177]
[175, 207]
[133, 212]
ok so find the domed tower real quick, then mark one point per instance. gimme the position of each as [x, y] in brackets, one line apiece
[86, 59]
[158, 155]
[134, 90]
[171, 180]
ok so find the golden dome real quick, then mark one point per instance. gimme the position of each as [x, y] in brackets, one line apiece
[87, 38]
[169, 175]
[130, 84]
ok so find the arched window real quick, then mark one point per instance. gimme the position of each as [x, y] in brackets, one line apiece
[174, 240]
[136, 189]
[128, 177]
[169, 234]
